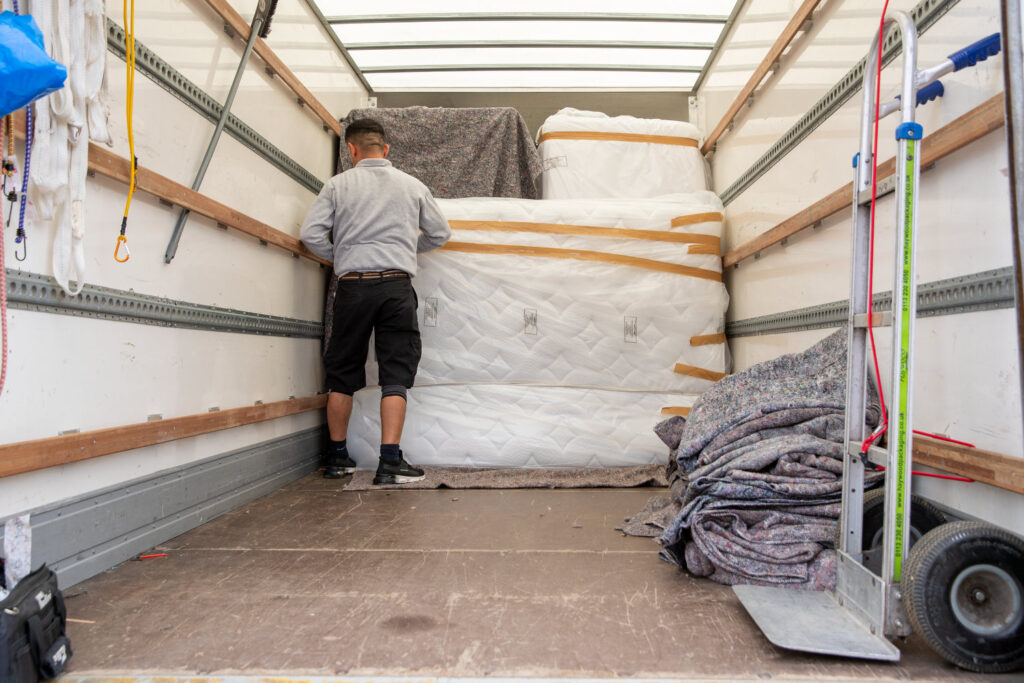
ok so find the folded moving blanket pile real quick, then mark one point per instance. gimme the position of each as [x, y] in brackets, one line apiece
[756, 472]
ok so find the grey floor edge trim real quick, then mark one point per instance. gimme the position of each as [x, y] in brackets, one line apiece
[924, 14]
[291, 677]
[75, 570]
[34, 292]
[984, 291]
[82, 536]
[174, 82]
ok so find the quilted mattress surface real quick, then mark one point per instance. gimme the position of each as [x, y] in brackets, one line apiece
[551, 330]
[592, 155]
[488, 425]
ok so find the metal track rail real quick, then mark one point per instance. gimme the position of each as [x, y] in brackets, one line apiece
[174, 82]
[32, 292]
[925, 14]
[985, 291]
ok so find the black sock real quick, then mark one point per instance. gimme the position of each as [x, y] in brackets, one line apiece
[338, 447]
[389, 453]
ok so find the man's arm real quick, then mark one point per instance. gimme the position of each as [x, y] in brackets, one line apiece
[434, 230]
[319, 224]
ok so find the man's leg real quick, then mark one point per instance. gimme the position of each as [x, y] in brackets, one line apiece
[338, 463]
[392, 419]
[344, 362]
[339, 409]
[398, 354]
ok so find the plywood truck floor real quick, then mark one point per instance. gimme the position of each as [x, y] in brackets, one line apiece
[312, 581]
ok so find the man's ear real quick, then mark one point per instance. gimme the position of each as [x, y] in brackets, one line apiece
[387, 148]
[353, 152]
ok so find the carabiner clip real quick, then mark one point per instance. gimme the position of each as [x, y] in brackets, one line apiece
[23, 241]
[121, 239]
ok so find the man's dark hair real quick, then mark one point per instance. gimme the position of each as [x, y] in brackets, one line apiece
[366, 134]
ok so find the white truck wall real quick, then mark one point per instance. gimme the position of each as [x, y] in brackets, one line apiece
[966, 365]
[79, 373]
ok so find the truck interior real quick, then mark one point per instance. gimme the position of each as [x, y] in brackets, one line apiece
[721, 373]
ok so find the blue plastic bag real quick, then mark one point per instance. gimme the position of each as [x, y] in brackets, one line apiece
[26, 71]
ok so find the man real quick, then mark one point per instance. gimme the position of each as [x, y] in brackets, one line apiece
[371, 221]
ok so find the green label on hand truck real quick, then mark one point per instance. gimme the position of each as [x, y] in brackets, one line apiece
[902, 427]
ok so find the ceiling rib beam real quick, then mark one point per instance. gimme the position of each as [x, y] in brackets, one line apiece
[526, 16]
[410, 68]
[722, 36]
[339, 46]
[462, 44]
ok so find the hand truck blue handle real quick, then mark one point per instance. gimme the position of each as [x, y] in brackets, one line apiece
[930, 92]
[976, 52]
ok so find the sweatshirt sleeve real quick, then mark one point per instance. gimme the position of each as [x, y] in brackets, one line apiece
[319, 224]
[434, 230]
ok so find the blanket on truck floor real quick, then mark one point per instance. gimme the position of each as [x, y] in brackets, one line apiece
[522, 478]
[755, 474]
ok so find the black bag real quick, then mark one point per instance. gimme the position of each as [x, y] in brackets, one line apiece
[32, 624]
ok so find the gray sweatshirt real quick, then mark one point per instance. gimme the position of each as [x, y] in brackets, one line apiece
[374, 217]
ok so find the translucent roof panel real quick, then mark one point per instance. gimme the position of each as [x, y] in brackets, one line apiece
[402, 45]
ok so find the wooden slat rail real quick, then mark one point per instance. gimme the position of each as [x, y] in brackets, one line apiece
[781, 43]
[274, 63]
[106, 163]
[988, 467]
[27, 456]
[955, 135]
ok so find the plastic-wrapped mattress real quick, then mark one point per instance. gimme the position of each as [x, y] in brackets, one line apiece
[589, 154]
[554, 332]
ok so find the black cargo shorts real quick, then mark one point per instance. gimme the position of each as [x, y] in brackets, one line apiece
[385, 307]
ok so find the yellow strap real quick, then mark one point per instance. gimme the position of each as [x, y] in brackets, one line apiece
[617, 137]
[706, 249]
[583, 255]
[675, 410]
[699, 373]
[591, 231]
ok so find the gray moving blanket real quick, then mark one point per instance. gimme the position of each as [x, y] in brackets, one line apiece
[756, 472]
[464, 152]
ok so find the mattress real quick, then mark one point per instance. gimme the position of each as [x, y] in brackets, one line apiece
[493, 425]
[554, 332]
[594, 294]
[589, 154]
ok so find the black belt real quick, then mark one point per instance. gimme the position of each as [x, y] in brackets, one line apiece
[376, 275]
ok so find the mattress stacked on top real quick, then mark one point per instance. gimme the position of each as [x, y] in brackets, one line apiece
[590, 154]
[555, 332]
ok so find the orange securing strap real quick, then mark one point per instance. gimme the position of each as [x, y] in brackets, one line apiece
[706, 339]
[693, 218]
[699, 373]
[617, 137]
[590, 231]
[707, 249]
[676, 410]
[583, 255]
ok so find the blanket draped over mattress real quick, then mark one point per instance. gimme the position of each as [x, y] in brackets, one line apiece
[465, 152]
[756, 473]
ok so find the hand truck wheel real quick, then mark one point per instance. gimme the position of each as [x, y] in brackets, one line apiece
[963, 586]
[924, 516]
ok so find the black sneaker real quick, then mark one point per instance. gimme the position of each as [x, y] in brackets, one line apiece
[337, 466]
[400, 473]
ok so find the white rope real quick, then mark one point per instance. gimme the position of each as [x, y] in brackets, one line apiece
[74, 31]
